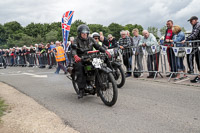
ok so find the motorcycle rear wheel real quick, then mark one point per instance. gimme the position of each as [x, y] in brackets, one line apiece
[75, 85]
[119, 76]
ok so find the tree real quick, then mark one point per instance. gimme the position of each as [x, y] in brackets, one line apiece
[95, 28]
[51, 36]
[163, 30]
[74, 26]
[13, 27]
[3, 36]
[115, 29]
[154, 31]
[183, 29]
[130, 27]
[38, 39]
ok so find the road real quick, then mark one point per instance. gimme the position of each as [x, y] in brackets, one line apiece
[142, 106]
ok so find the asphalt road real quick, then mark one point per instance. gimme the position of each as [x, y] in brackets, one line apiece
[142, 106]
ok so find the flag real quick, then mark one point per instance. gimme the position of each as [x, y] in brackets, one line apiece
[134, 51]
[144, 50]
[188, 50]
[153, 48]
[175, 49]
[66, 25]
[164, 49]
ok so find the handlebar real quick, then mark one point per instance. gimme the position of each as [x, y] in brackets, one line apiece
[93, 54]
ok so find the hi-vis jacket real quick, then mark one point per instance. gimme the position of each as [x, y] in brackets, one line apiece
[60, 54]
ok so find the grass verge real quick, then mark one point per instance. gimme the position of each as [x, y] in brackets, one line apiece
[3, 107]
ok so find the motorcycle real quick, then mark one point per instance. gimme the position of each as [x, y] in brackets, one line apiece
[115, 65]
[99, 78]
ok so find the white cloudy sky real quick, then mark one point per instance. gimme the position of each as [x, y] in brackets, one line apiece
[144, 12]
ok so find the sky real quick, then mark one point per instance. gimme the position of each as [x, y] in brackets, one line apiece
[144, 12]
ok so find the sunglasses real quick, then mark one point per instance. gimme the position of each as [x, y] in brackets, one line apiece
[96, 38]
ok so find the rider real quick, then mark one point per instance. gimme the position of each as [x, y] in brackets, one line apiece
[81, 45]
[96, 37]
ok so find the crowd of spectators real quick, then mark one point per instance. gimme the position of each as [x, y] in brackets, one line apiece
[43, 55]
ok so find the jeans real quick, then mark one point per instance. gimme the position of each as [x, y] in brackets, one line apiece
[153, 63]
[61, 66]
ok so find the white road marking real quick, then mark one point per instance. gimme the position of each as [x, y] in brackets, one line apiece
[36, 76]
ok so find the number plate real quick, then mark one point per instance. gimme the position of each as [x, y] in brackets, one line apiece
[97, 62]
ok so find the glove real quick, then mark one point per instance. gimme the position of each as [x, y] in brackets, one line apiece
[77, 58]
[109, 56]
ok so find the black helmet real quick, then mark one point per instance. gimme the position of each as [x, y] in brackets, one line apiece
[83, 29]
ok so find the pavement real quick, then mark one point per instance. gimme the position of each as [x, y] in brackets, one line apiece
[143, 105]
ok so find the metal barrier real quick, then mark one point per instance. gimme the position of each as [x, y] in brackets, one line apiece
[32, 59]
[169, 60]
[178, 54]
[164, 62]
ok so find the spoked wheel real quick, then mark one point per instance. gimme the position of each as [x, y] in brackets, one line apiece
[107, 88]
[75, 85]
[119, 76]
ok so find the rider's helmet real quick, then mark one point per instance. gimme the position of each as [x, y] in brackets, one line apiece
[95, 34]
[83, 29]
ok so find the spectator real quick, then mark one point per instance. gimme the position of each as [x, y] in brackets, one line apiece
[32, 57]
[170, 53]
[138, 52]
[12, 55]
[43, 56]
[128, 34]
[103, 39]
[49, 54]
[23, 56]
[111, 42]
[195, 35]
[148, 40]
[96, 37]
[125, 44]
[180, 36]
[60, 58]
[38, 51]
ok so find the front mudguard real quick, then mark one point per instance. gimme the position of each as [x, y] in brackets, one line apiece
[106, 70]
[116, 64]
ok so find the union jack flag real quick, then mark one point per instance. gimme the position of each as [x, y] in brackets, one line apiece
[66, 25]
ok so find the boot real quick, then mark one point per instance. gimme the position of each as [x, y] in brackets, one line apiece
[81, 93]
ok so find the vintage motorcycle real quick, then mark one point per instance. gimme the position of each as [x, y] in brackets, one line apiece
[115, 65]
[99, 77]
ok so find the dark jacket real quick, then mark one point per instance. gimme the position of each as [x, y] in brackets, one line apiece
[112, 44]
[85, 45]
[195, 35]
[126, 43]
[105, 41]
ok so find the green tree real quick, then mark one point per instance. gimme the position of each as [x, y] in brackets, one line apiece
[153, 30]
[38, 39]
[3, 36]
[163, 30]
[183, 29]
[13, 27]
[52, 36]
[130, 27]
[74, 26]
[95, 28]
[115, 29]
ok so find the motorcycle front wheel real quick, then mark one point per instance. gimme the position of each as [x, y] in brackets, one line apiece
[107, 88]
